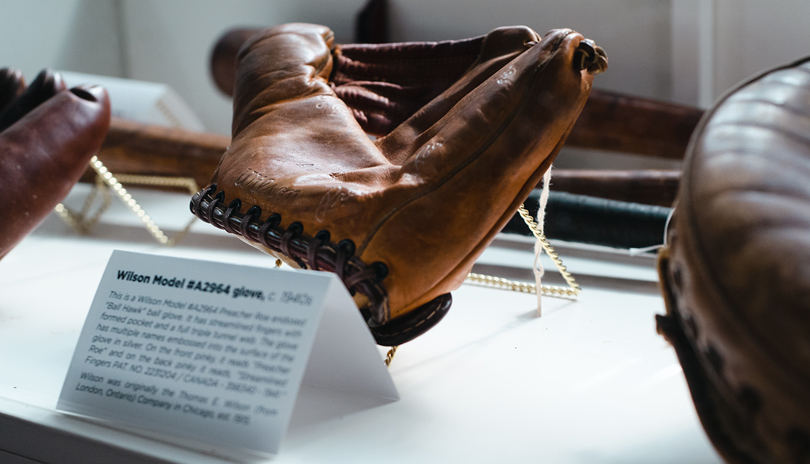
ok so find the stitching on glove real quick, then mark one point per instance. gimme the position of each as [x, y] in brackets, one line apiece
[317, 253]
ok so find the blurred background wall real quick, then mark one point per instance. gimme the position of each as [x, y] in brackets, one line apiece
[686, 51]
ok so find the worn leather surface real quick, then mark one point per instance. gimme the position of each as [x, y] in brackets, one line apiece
[737, 272]
[384, 84]
[47, 84]
[49, 135]
[427, 198]
[12, 84]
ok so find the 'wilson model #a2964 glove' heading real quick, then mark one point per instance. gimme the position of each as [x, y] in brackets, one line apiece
[402, 218]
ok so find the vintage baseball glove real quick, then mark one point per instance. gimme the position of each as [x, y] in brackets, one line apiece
[736, 273]
[401, 219]
[47, 136]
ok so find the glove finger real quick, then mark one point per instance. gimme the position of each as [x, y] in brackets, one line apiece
[293, 140]
[44, 154]
[475, 165]
[12, 84]
[47, 84]
[285, 113]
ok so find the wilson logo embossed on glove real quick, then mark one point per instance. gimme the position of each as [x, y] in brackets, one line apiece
[402, 218]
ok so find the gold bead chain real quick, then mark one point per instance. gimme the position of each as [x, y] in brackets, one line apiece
[390, 355]
[569, 278]
[573, 289]
[105, 179]
[83, 221]
[523, 287]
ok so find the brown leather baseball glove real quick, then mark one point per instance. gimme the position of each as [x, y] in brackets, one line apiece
[47, 136]
[401, 219]
[736, 273]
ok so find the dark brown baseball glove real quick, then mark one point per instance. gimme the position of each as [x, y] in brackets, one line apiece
[401, 219]
[736, 273]
[47, 136]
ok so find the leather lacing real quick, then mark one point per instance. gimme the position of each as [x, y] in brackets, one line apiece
[317, 253]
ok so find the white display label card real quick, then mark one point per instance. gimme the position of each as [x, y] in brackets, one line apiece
[213, 355]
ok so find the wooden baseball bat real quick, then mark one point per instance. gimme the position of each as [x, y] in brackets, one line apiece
[142, 149]
[647, 187]
[150, 150]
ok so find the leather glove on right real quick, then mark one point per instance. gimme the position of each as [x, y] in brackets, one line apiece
[736, 272]
[401, 219]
